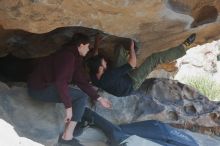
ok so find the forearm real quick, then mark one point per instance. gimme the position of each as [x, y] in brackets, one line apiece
[132, 58]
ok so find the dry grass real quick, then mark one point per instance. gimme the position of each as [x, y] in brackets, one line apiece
[206, 86]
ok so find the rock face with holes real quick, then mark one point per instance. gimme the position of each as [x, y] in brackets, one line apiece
[158, 24]
[169, 101]
[37, 123]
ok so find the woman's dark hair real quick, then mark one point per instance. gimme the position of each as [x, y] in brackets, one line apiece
[76, 40]
[80, 38]
[94, 63]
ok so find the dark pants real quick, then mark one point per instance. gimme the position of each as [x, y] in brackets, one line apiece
[152, 130]
[50, 94]
[113, 132]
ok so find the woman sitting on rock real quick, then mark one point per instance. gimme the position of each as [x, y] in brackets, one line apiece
[50, 79]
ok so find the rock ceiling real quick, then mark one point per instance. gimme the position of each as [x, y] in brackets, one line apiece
[31, 28]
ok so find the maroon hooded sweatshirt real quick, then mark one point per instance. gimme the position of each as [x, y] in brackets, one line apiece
[60, 69]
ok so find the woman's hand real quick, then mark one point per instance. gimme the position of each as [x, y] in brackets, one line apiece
[69, 114]
[105, 102]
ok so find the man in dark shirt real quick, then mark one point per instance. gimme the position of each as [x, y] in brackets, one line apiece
[115, 81]
[50, 81]
[123, 79]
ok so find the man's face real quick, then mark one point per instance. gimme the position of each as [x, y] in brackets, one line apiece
[83, 49]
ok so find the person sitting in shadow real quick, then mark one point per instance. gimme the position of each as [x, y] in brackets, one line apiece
[125, 77]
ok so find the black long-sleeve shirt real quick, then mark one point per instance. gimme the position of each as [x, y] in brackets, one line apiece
[115, 81]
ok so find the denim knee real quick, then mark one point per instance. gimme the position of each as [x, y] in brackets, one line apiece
[84, 97]
[83, 100]
[78, 108]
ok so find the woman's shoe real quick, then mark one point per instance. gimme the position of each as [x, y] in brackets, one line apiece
[72, 142]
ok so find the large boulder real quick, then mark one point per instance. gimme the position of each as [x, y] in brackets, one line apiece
[36, 123]
[165, 100]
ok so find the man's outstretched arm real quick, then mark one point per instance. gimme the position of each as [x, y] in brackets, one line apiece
[132, 60]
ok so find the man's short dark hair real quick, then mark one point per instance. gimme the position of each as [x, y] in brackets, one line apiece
[80, 38]
[94, 63]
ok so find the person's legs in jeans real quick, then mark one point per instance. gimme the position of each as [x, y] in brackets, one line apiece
[78, 107]
[139, 74]
[113, 132]
[50, 94]
[78, 103]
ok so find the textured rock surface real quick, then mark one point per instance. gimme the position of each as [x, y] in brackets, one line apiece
[42, 122]
[45, 15]
[29, 45]
[17, 109]
[157, 24]
[165, 100]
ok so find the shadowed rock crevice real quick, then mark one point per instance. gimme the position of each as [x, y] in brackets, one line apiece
[23, 44]
[13, 69]
[213, 131]
[190, 109]
[173, 116]
[207, 14]
[178, 6]
[203, 12]
[20, 50]
[215, 117]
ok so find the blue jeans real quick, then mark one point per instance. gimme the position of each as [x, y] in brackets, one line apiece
[152, 130]
[113, 132]
[50, 94]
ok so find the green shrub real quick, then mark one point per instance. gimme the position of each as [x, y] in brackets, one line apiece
[205, 85]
